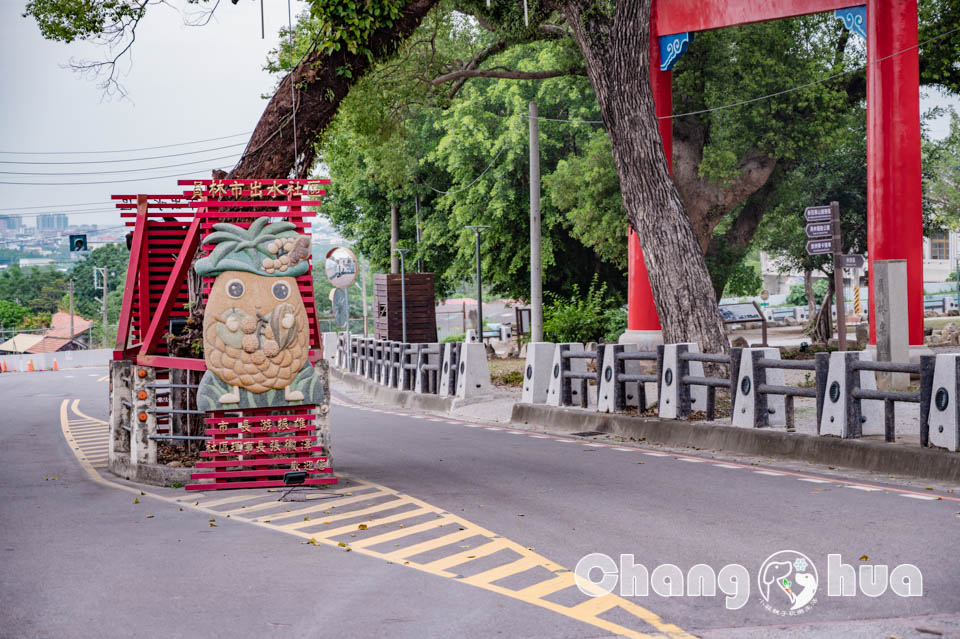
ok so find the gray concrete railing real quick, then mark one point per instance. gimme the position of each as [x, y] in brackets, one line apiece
[844, 386]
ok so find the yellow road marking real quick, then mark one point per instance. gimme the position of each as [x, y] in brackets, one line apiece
[430, 544]
[587, 611]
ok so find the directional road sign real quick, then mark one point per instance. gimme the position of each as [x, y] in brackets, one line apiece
[819, 247]
[818, 229]
[817, 213]
[852, 261]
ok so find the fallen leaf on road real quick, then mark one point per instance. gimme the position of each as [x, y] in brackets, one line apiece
[928, 488]
[149, 516]
[341, 544]
[362, 527]
[863, 558]
[306, 519]
[212, 525]
[471, 557]
[136, 500]
[348, 494]
[212, 519]
[311, 541]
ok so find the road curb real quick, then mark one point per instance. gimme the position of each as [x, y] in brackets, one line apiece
[860, 454]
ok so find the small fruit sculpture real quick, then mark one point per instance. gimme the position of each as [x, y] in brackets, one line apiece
[256, 334]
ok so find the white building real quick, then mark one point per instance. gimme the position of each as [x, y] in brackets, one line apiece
[941, 251]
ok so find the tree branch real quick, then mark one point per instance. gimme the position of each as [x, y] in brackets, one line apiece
[508, 74]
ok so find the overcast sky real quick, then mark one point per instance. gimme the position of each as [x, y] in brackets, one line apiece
[184, 84]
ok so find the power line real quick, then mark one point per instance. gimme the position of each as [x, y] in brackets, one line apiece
[144, 148]
[143, 179]
[490, 166]
[152, 157]
[146, 168]
[55, 206]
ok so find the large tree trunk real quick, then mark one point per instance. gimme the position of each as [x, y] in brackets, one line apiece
[615, 47]
[320, 85]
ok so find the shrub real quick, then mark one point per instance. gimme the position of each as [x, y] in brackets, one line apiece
[593, 318]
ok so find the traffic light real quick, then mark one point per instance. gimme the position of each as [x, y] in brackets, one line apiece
[78, 243]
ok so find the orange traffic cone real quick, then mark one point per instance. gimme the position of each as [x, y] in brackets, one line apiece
[3, 366]
[30, 367]
[55, 367]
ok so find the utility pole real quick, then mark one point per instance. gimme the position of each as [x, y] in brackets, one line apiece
[102, 270]
[536, 265]
[838, 277]
[71, 312]
[478, 229]
[394, 237]
[363, 290]
[403, 295]
[416, 202]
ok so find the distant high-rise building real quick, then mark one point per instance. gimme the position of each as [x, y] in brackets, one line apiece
[10, 222]
[52, 222]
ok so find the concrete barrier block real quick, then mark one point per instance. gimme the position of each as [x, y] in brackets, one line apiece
[578, 365]
[751, 409]
[423, 376]
[841, 414]
[473, 372]
[536, 372]
[448, 372]
[330, 348]
[678, 400]
[608, 391]
[944, 417]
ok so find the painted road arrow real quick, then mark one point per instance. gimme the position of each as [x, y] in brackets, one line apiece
[818, 229]
[819, 247]
[817, 213]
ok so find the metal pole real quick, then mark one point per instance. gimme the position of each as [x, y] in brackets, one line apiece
[363, 290]
[403, 296]
[71, 313]
[536, 264]
[103, 301]
[838, 276]
[394, 236]
[416, 203]
[477, 229]
[958, 282]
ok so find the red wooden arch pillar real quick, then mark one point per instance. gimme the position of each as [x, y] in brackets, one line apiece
[894, 199]
[643, 323]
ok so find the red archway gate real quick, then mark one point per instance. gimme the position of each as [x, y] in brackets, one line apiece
[894, 214]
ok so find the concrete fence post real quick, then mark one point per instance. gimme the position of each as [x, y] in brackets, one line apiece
[944, 405]
[536, 372]
[121, 413]
[143, 450]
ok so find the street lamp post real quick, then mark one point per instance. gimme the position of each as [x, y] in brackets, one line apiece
[478, 229]
[403, 295]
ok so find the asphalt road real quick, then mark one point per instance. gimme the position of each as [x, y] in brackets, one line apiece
[80, 559]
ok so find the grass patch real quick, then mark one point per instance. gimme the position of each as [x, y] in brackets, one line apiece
[507, 372]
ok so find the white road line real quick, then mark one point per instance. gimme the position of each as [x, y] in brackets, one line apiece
[514, 433]
[922, 497]
[473, 425]
[539, 436]
[627, 450]
[493, 428]
[656, 454]
[692, 460]
[728, 466]
[815, 481]
[595, 445]
[430, 419]
[564, 441]
[866, 489]
[768, 473]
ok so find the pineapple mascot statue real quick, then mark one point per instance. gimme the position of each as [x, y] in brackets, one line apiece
[256, 335]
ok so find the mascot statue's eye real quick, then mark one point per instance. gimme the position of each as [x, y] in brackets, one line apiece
[281, 291]
[235, 288]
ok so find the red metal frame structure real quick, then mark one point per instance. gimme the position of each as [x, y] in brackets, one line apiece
[167, 232]
[894, 216]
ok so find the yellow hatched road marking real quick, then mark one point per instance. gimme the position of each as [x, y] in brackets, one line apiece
[375, 521]
[326, 506]
[402, 532]
[502, 572]
[442, 565]
[430, 544]
[586, 612]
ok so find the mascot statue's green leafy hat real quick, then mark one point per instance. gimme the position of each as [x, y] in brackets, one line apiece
[273, 250]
